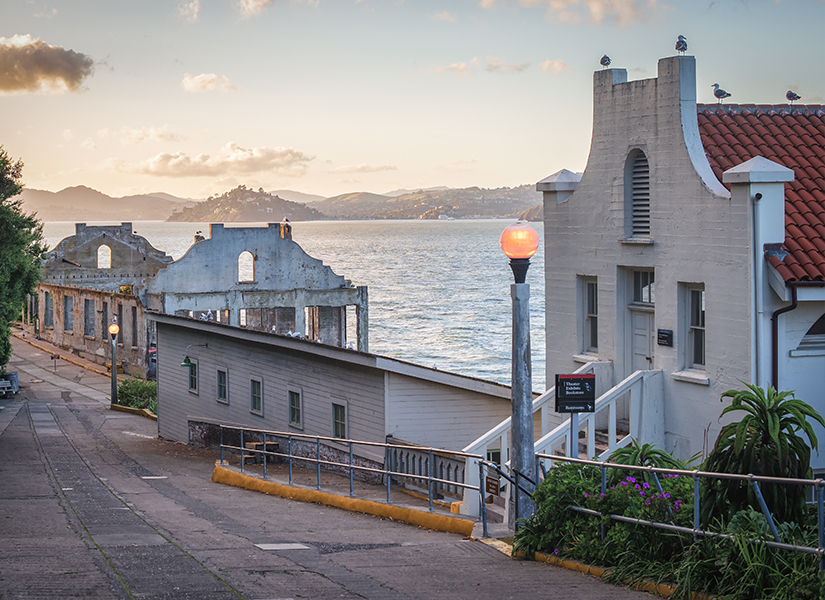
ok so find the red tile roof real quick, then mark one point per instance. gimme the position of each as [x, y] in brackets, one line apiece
[793, 136]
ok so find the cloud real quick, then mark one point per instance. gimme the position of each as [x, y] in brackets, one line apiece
[190, 10]
[233, 160]
[462, 69]
[556, 67]
[68, 134]
[570, 11]
[45, 13]
[148, 134]
[251, 8]
[445, 16]
[363, 168]
[497, 65]
[88, 144]
[29, 65]
[207, 82]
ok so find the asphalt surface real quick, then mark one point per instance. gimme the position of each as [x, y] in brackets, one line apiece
[94, 505]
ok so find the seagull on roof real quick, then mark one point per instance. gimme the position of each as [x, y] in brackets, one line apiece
[719, 93]
[791, 96]
[605, 61]
[681, 44]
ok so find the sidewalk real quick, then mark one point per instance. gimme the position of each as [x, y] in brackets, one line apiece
[94, 505]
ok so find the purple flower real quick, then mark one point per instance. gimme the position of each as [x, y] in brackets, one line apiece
[623, 483]
[631, 480]
[602, 495]
[646, 485]
[642, 494]
[586, 495]
[556, 551]
[637, 486]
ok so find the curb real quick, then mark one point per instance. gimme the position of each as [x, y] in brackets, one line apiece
[396, 513]
[142, 412]
[68, 360]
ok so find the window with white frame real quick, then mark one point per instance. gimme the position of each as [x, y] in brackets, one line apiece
[256, 396]
[692, 344]
[813, 344]
[590, 314]
[193, 376]
[295, 410]
[644, 291]
[339, 421]
[222, 386]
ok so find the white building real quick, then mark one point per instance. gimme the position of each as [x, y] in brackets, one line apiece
[694, 231]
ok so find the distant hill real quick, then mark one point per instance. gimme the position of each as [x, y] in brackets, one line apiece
[81, 203]
[472, 202]
[245, 205]
[401, 192]
[534, 214]
[294, 196]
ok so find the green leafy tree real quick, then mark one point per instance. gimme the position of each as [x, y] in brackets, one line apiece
[767, 441]
[21, 248]
[644, 455]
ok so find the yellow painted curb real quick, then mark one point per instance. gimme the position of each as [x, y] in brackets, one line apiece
[397, 513]
[135, 411]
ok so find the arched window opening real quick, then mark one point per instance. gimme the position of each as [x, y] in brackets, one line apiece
[814, 340]
[637, 195]
[104, 257]
[246, 266]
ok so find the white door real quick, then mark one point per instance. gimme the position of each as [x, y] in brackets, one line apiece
[642, 342]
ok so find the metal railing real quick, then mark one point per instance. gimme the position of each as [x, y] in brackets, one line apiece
[752, 480]
[338, 455]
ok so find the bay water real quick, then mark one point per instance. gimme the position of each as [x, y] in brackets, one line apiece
[439, 291]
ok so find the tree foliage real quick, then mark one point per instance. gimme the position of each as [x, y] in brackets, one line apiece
[21, 247]
[768, 440]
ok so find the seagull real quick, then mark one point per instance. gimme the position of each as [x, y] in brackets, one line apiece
[791, 96]
[681, 44]
[719, 93]
[605, 61]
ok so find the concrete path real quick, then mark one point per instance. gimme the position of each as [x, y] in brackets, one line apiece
[94, 505]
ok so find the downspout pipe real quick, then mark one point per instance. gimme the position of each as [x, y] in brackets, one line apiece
[793, 285]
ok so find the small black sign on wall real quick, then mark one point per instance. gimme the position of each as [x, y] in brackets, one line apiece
[664, 337]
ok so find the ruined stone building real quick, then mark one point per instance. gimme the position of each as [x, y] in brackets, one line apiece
[249, 277]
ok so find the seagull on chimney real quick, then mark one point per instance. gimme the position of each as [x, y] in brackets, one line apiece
[681, 44]
[719, 93]
[792, 96]
[605, 61]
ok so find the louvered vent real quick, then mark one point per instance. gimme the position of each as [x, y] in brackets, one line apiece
[640, 195]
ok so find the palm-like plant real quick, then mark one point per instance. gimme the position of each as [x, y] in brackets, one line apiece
[766, 441]
[644, 455]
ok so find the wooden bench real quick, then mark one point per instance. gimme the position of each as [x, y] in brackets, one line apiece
[268, 446]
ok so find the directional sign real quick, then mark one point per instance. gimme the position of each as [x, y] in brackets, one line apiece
[575, 393]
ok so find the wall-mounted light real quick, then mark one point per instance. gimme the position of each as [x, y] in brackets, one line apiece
[186, 361]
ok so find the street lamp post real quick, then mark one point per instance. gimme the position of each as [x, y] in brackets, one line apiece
[113, 331]
[519, 242]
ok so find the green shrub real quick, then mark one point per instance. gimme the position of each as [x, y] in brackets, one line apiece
[138, 393]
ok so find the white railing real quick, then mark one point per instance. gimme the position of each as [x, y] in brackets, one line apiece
[543, 409]
[634, 408]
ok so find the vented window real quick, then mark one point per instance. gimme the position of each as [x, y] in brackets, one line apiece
[637, 195]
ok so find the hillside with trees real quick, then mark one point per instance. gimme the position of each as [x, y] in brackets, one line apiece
[245, 205]
[81, 203]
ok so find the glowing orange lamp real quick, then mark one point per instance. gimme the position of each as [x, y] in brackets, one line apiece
[519, 243]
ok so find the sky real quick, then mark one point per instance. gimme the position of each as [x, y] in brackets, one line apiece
[195, 97]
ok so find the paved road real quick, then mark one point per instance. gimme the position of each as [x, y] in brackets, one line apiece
[94, 505]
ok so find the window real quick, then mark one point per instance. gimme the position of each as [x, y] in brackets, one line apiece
[104, 320]
[589, 314]
[134, 327]
[68, 313]
[256, 398]
[813, 344]
[222, 388]
[193, 376]
[339, 421]
[696, 328]
[48, 310]
[89, 318]
[246, 266]
[295, 410]
[104, 257]
[637, 195]
[643, 289]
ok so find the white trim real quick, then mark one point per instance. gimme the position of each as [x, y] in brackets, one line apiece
[691, 376]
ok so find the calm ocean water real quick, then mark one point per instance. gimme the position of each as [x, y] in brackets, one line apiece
[439, 290]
